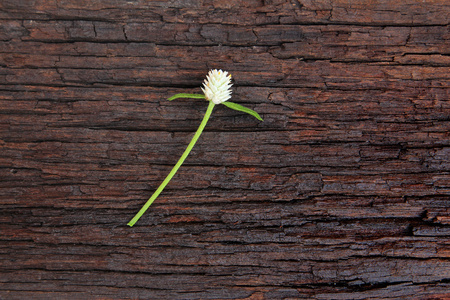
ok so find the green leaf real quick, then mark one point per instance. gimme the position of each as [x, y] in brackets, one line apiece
[183, 95]
[238, 107]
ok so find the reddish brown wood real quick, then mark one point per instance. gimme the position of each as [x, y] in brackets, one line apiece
[341, 193]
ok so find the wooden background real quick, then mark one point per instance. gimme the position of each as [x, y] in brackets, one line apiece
[341, 193]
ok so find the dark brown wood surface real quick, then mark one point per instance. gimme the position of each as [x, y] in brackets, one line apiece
[341, 193]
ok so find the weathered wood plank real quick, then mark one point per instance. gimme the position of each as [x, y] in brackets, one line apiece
[237, 12]
[341, 193]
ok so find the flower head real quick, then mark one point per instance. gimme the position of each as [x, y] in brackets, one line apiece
[217, 86]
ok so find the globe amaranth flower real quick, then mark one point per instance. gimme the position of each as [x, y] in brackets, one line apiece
[217, 86]
[216, 89]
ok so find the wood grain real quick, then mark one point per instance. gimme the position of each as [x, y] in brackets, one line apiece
[341, 193]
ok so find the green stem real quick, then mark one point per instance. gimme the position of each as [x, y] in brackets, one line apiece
[176, 167]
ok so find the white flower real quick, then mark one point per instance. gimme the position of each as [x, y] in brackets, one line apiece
[217, 86]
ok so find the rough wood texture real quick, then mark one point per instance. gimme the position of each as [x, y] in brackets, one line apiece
[342, 193]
